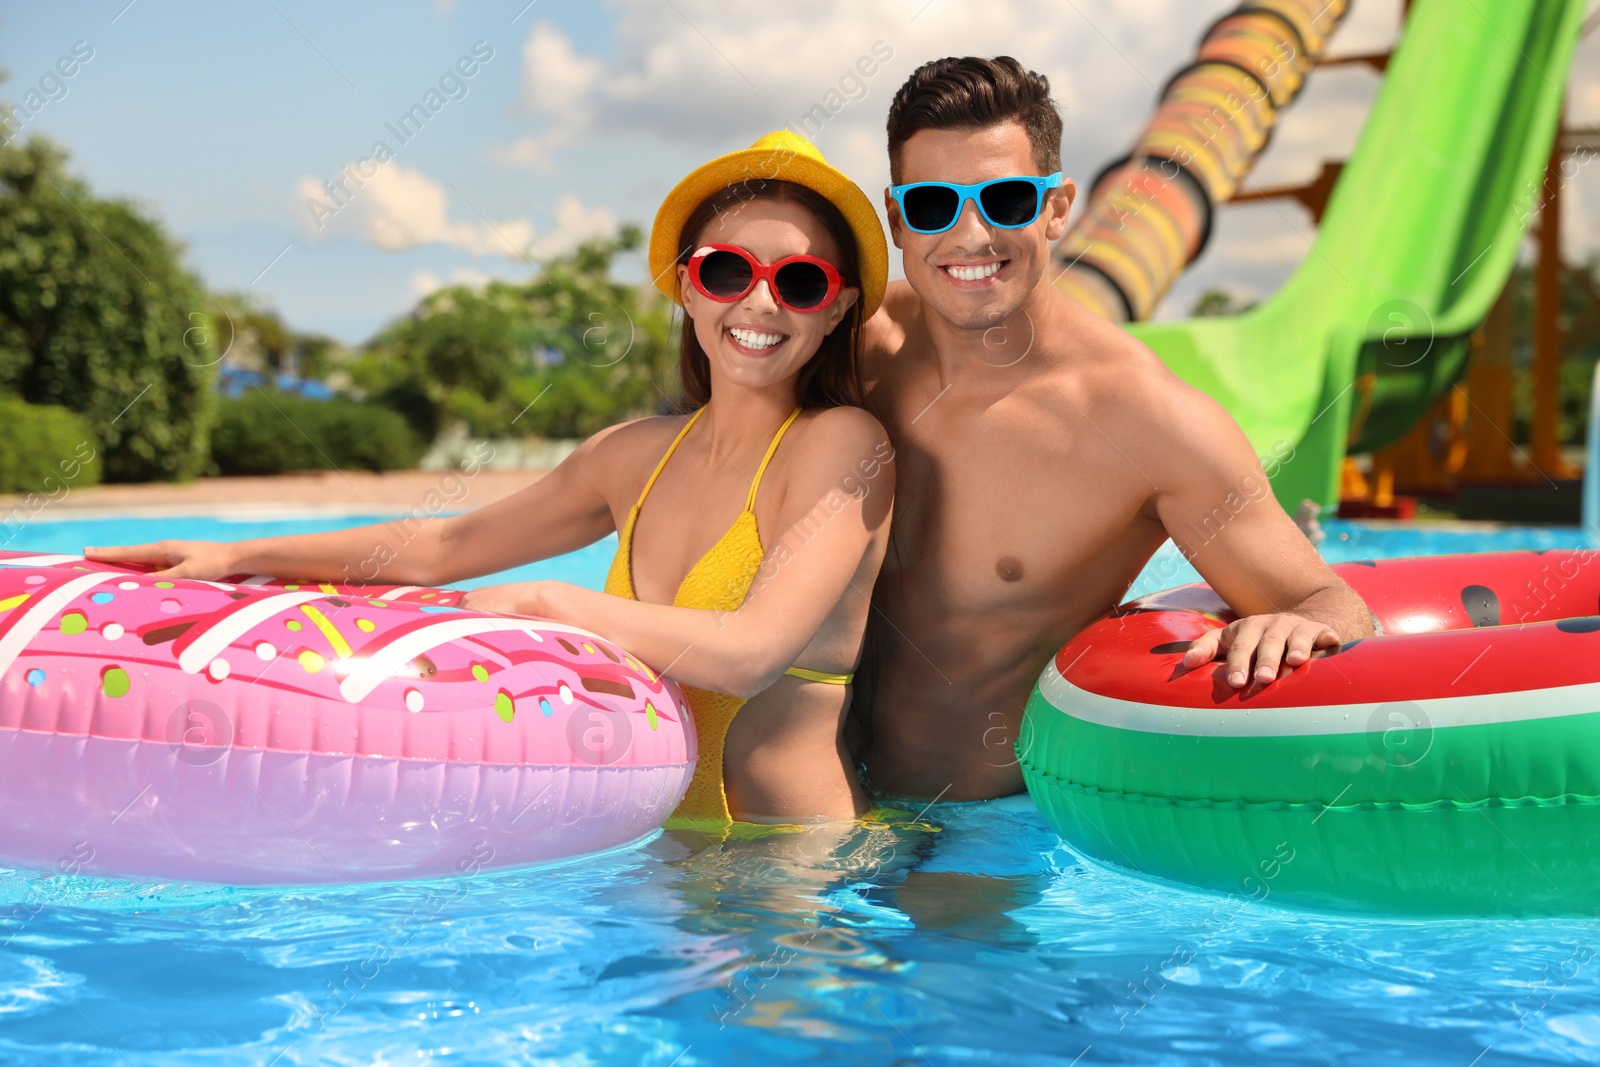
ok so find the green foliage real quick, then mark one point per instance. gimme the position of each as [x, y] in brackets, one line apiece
[45, 450]
[97, 314]
[563, 355]
[1580, 348]
[272, 433]
[1219, 302]
[252, 337]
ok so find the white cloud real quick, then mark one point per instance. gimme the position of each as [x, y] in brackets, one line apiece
[399, 207]
[698, 77]
[424, 282]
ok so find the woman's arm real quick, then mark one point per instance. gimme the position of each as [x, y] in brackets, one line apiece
[563, 511]
[836, 507]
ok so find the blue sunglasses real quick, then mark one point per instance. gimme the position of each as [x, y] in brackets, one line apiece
[1007, 203]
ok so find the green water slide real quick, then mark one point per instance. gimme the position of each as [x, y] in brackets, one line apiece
[1417, 242]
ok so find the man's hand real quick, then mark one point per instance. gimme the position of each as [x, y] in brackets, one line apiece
[1277, 643]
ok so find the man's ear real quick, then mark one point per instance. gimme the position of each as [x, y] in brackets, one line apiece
[1060, 208]
[893, 211]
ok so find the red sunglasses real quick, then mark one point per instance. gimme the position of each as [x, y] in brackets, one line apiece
[726, 273]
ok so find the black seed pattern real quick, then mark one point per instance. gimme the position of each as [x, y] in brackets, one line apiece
[1482, 606]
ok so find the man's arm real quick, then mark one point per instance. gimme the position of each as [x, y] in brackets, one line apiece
[1216, 504]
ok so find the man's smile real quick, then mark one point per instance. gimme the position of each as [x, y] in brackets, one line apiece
[973, 273]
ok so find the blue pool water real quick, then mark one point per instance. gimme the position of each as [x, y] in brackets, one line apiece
[969, 935]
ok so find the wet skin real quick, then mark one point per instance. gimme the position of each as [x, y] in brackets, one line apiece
[1044, 455]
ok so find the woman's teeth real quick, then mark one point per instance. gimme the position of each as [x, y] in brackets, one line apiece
[974, 274]
[754, 338]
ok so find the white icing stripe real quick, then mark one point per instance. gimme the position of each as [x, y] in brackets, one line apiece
[259, 579]
[397, 592]
[1311, 719]
[42, 610]
[209, 642]
[379, 664]
[42, 561]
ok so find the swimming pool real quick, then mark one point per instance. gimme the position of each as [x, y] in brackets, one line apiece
[966, 935]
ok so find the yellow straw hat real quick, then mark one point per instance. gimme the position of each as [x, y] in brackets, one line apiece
[785, 156]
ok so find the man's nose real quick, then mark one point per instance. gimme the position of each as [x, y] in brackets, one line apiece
[971, 229]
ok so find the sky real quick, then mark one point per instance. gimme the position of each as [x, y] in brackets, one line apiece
[554, 121]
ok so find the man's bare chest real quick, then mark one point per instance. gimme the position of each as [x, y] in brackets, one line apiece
[994, 516]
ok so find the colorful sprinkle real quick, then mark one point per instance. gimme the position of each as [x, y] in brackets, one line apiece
[114, 682]
[35, 676]
[265, 650]
[163, 585]
[565, 693]
[429, 596]
[503, 706]
[291, 587]
[311, 661]
[218, 669]
[170, 606]
[544, 706]
[111, 631]
[650, 715]
[379, 603]
[293, 624]
[120, 585]
[340, 646]
[587, 647]
[366, 626]
[73, 622]
[33, 579]
[413, 700]
[479, 672]
[12, 601]
[102, 597]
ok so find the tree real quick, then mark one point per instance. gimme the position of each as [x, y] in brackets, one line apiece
[562, 355]
[98, 315]
[1219, 302]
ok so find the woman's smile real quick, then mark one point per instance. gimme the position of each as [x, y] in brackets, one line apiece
[753, 340]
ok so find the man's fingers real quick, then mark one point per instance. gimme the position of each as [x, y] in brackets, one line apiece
[1242, 647]
[1300, 645]
[1203, 649]
[1269, 649]
[1328, 639]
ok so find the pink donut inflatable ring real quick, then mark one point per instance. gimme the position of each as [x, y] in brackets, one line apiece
[267, 732]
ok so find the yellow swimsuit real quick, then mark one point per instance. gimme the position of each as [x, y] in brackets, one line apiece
[719, 581]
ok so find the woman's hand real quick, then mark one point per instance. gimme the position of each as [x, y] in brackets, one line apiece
[203, 560]
[515, 598]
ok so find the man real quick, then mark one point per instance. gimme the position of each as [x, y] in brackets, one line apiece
[1044, 455]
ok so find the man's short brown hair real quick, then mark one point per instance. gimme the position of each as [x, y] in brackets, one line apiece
[971, 93]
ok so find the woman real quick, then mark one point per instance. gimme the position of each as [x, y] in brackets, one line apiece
[750, 531]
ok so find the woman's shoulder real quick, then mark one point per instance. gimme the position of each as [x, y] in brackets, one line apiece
[843, 435]
[847, 426]
[624, 450]
[636, 437]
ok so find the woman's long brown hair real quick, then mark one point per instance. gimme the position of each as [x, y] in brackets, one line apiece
[832, 377]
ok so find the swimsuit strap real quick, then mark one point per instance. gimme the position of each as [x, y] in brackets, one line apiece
[825, 677]
[750, 501]
[676, 441]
